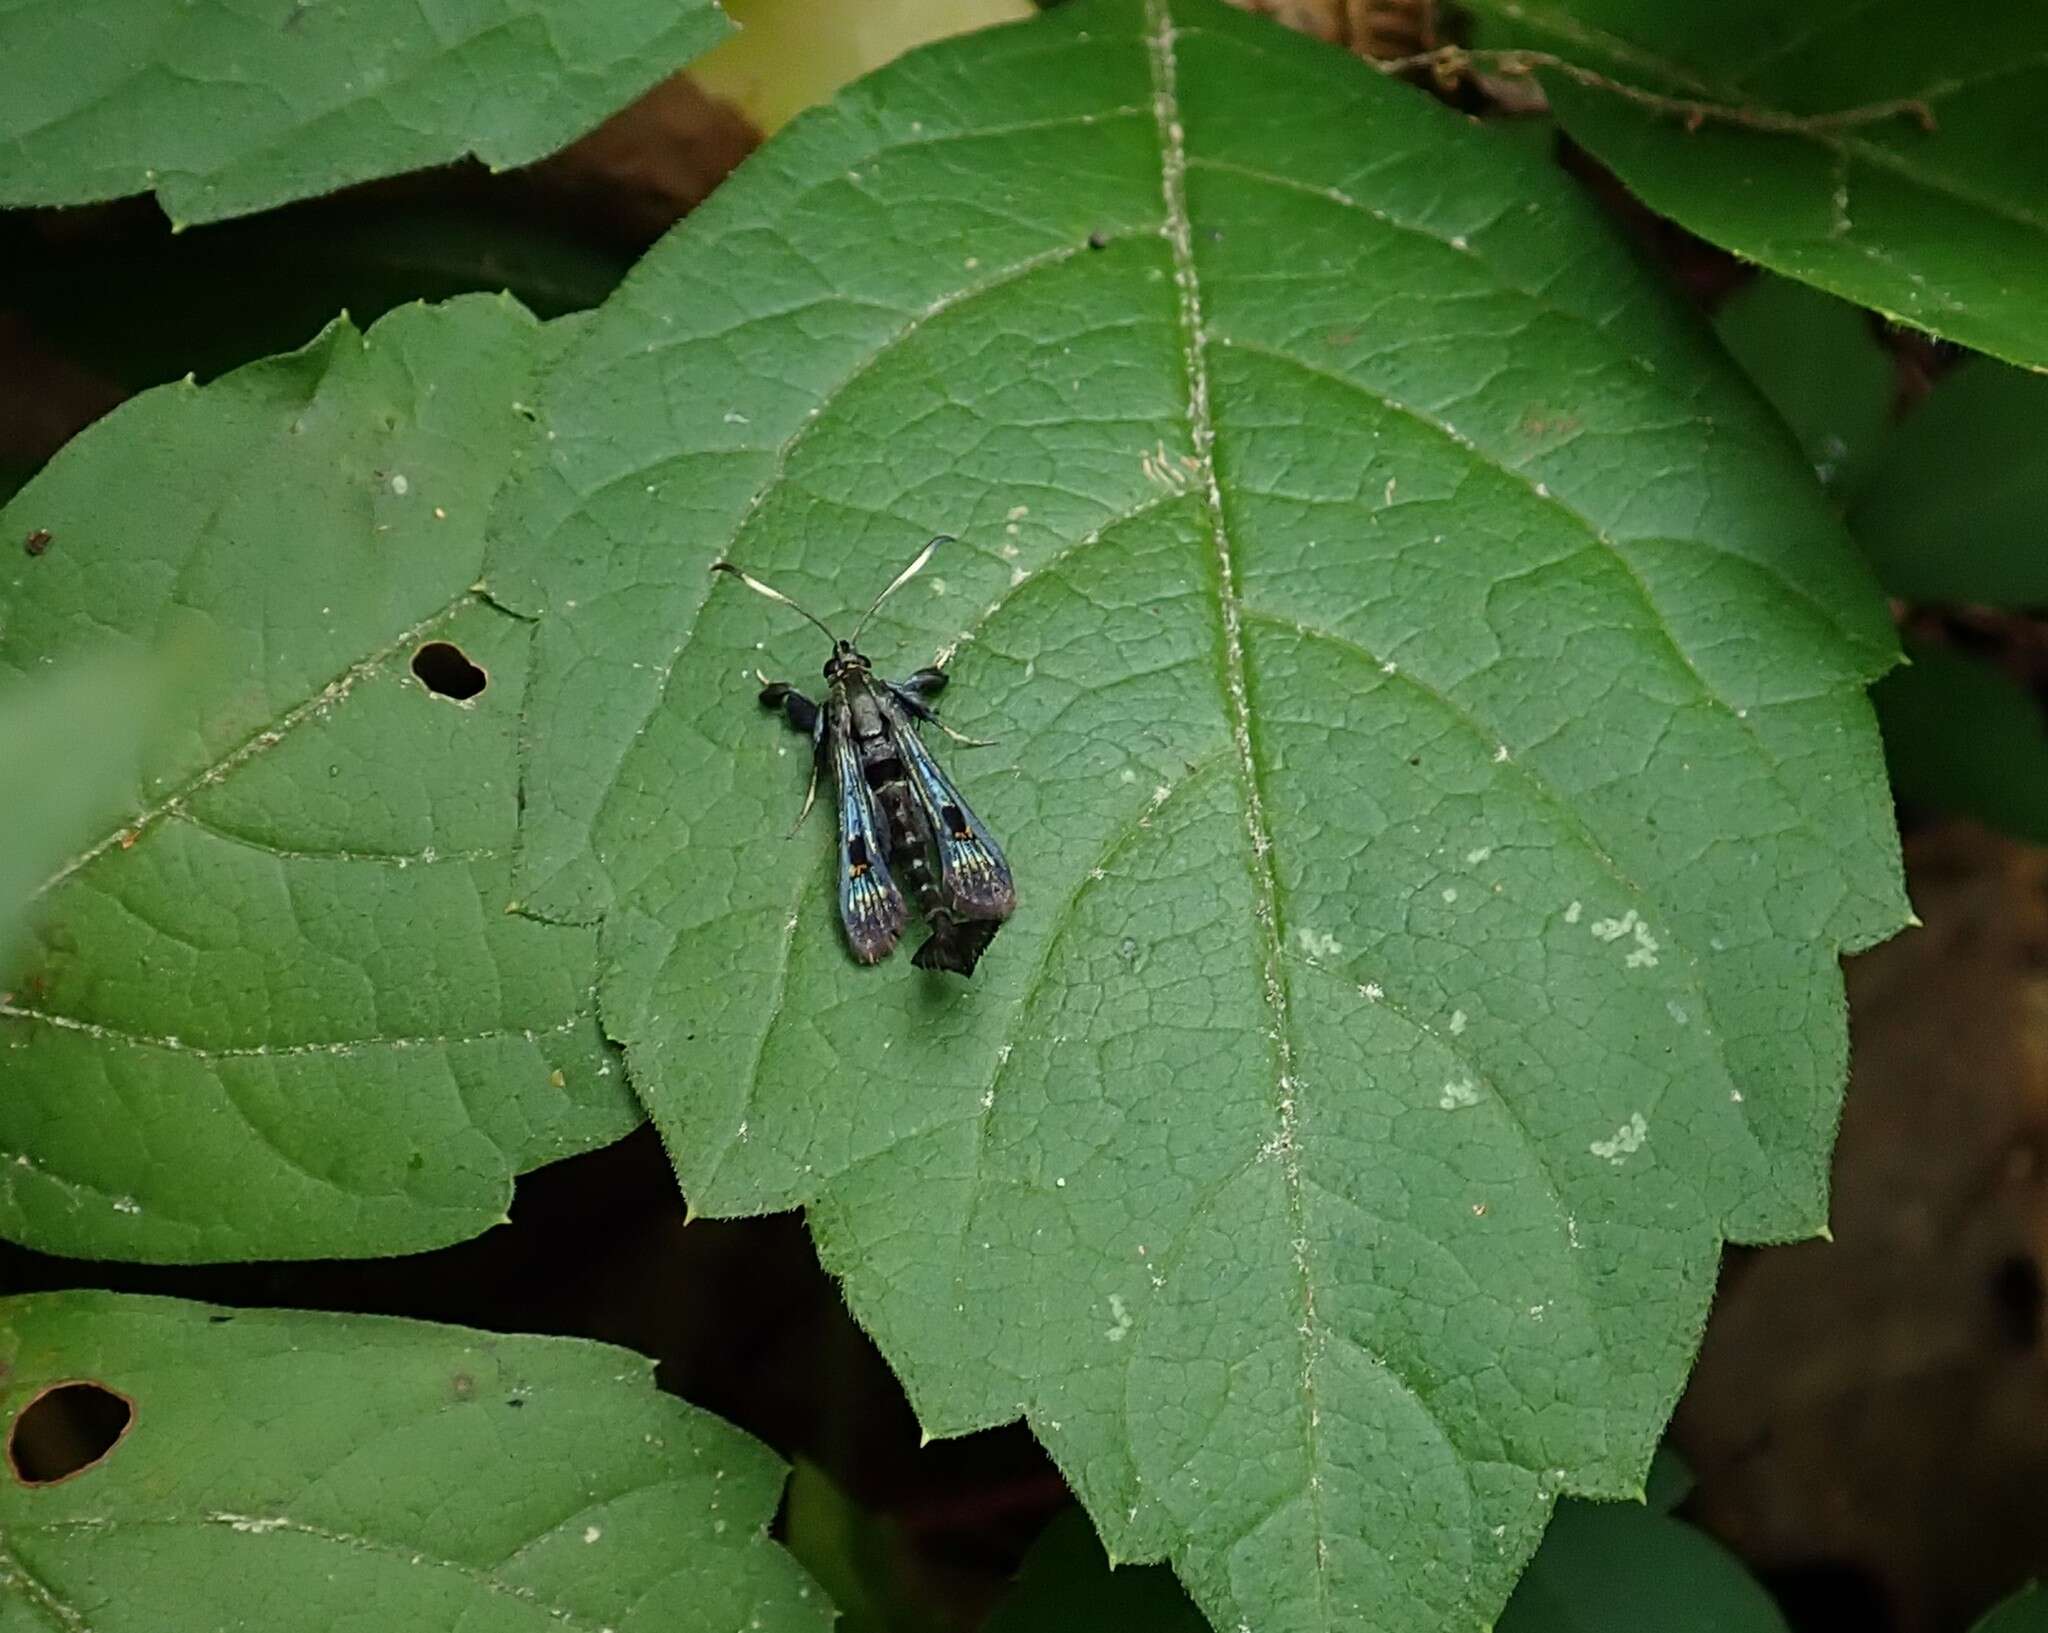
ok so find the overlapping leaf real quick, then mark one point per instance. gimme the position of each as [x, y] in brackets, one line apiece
[1603, 1568]
[1620, 1567]
[1889, 153]
[1066, 1584]
[1819, 362]
[275, 1006]
[1953, 509]
[309, 1471]
[221, 108]
[2025, 1612]
[71, 741]
[1961, 734]
[1432, 755]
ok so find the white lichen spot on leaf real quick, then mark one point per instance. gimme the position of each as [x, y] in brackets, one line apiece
[1459, 1093]
[1318, 943]
[1628, 1139]
[1643, 954]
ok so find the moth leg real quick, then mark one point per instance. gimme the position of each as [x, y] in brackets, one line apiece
[960, 737]
[914, 692]
[800, 711]
[810, 798]
[805, 716]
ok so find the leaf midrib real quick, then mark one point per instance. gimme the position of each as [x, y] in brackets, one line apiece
[1270, 935]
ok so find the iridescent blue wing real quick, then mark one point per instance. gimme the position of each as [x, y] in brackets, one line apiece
[974, 880]
[870, 904]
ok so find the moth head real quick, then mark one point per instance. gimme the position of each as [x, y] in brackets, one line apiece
[844, 659]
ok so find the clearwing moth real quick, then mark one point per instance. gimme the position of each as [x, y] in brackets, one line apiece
[902, 823]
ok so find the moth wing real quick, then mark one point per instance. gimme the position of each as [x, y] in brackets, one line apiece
[870, 902]
[973, 877]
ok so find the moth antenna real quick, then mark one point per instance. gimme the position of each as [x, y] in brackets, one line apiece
[771, 593]
[897, 583]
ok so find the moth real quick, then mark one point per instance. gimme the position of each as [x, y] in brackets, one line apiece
[902, 823]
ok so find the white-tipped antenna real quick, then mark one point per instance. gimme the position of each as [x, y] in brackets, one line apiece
[899, 581]
[771, 593]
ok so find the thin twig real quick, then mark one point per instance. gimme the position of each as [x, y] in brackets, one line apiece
[1448, 62]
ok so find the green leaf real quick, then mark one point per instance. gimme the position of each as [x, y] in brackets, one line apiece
[1433, 757]
[1066, 1585]
[1962, 737]
[1621, 1567]
[1953, 509]
[1823, 370]
[285, 1470]
[276, 1007]
[2025, 1612]
[72, 743]
[221, 109]
[1808, 163]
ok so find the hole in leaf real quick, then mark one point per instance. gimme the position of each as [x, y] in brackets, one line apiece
[445, 670]
[66, 1430]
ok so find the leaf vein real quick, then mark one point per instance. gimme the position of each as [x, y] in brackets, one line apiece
[258, 1526]
[265, 1051]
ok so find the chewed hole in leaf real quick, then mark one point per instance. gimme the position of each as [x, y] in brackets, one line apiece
[66, 1430]
[445, 670]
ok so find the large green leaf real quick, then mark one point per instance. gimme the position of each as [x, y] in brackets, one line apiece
[1433, 759]
[1807, 167]
[290, 1471]
[221, 107]
[275, 1006]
